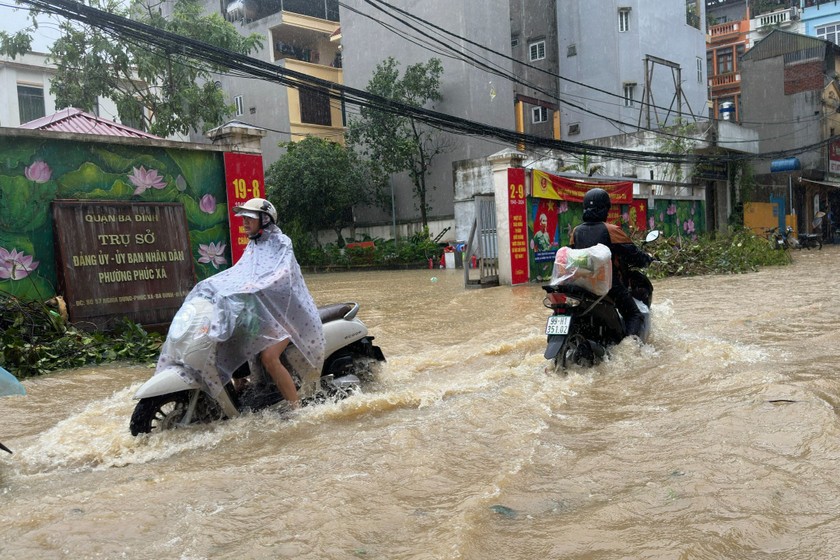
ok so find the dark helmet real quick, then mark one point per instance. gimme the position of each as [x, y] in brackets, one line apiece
[596, 205]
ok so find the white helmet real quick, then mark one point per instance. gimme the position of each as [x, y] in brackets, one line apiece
[254, 207]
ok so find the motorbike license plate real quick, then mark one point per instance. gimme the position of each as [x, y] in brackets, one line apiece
[558, 324]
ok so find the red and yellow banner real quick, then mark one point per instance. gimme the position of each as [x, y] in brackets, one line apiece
[518, 224]
[245, 180]
[545, 185]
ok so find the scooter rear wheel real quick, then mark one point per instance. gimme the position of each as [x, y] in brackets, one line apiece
[576, 351]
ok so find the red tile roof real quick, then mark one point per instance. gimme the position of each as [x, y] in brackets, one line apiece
[79, 122]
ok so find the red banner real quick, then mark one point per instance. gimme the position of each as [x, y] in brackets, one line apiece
[545, 185]
[518, 225]
[834, 156]
[245, 180]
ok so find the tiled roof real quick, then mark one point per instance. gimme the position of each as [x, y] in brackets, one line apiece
[79, 122]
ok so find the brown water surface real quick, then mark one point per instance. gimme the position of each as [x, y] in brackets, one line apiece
[719, 439]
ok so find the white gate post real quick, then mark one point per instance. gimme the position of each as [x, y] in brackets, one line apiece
[500, 162]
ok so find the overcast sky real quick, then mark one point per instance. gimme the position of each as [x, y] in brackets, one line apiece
[13, 19]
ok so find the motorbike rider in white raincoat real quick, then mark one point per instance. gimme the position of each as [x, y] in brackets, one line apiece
[261, 304]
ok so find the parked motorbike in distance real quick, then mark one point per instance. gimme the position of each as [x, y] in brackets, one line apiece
[583, 325]
[808, 240]
[171, 399]
[781, 238]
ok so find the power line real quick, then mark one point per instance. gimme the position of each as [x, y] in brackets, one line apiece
[186, 48]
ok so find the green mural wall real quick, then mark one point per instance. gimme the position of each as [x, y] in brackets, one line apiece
[678, 218]
[36, 170]
[686, 218]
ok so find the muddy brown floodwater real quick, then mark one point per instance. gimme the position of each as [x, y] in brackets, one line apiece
[719, 439]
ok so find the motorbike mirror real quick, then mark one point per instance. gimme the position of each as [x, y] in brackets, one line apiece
[652, 236]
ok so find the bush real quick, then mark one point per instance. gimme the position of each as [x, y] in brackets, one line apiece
[34, 339]
[742, 251]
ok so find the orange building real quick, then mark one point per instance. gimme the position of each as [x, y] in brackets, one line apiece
[725, 43]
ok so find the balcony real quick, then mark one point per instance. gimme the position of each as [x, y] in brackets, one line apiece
[780, 18]
[305, 39]
[725, 80]
[722, 30]
[312, 113]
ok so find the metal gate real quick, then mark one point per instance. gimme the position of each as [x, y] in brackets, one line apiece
[483, 244]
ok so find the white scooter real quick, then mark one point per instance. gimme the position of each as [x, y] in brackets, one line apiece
[171, 399]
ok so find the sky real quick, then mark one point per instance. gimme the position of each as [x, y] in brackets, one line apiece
[13, 19]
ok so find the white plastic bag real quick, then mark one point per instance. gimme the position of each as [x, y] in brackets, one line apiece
[590, 269]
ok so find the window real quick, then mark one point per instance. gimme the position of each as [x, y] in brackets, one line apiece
[692, 13]
[30, 103]
[539, 115]
[131, 114]
[514, 42]
[699, 70]
[624, 19]
[724, 60]
[830, 32]
[574, 128]
[572, 50]
[240, 105]
[315, 108]
[537, 50]
[629, 94]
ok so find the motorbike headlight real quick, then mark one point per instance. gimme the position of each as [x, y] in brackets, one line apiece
[181, 322]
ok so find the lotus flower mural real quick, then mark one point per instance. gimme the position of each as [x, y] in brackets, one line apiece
[145, 179]
[15, 265]
[207, 203]
[38, 172]
[212, 253]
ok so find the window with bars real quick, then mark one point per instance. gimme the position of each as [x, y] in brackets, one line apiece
[315, 108]
[536, 50]
[623, 19]
[629, 94]
[30, 103]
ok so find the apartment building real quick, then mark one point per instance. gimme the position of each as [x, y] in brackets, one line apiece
[630, 64]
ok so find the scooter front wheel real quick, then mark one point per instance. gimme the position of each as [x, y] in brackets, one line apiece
[163, 412]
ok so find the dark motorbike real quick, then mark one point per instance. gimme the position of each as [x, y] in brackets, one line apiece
[584, 325]
[808, 240]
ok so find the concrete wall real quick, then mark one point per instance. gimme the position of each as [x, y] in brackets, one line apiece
[32, 69]
[607, 59]
[468, 92]
[765, 102]
[533, 21]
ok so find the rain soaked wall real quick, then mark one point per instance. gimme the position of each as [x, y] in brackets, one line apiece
[37, 168]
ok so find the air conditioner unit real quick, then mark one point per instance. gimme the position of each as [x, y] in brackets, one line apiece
[794, 13]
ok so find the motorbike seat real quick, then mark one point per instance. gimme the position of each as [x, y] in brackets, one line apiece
[333, 312]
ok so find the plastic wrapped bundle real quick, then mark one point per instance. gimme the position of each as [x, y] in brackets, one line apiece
[590, 268]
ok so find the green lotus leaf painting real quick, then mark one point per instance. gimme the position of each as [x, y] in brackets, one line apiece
[36, 171]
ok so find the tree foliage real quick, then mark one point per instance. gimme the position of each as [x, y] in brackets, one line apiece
[316, 183]
[158, 89]
[399, 143]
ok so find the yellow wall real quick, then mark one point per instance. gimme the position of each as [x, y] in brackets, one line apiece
[758, 216]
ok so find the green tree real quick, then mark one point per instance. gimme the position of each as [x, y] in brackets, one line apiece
[315, 185]
[157, 89]
[399, 143]
[584, 165]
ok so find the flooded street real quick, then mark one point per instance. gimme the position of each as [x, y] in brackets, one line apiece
[719, 439]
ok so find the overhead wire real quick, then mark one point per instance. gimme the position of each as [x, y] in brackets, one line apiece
[170, 43]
